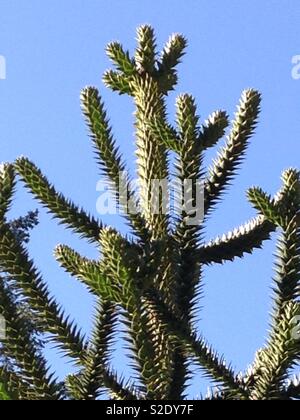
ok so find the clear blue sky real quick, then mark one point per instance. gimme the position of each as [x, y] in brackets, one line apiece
[54, 48]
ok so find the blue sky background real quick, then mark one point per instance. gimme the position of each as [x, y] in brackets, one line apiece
[54, 48]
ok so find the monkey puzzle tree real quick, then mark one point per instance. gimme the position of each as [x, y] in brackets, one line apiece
[21, 228]
[151, 279]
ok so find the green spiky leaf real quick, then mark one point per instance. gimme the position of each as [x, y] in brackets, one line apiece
[145, 55]
[213, 129]
[173, 51]
[242, 240]
[120, 58]
[230, 157]
[117, 82]
[7, 186]
[74, 217]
